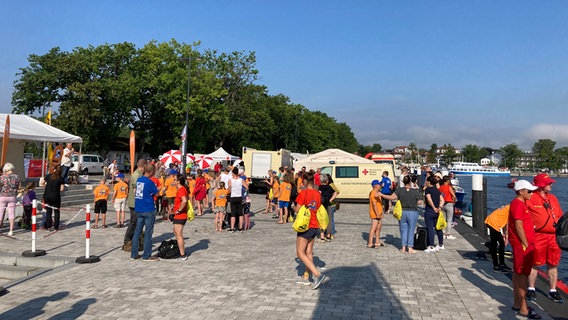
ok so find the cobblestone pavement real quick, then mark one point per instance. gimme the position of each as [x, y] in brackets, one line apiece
[255, 275]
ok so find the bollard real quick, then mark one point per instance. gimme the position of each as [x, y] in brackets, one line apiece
[88, 258]
[479, 202]
[34, 252]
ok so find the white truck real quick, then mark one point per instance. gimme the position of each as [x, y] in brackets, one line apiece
[258, 162]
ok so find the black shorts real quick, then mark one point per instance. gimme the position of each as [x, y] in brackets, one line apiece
[180, 221]
[101, 206]
[310, 234]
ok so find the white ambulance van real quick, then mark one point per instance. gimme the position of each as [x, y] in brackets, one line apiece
[354, 179]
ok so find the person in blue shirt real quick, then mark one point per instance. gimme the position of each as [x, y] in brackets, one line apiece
[145, 214]
[386, 184]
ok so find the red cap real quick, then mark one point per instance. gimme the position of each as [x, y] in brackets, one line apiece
[541, 180]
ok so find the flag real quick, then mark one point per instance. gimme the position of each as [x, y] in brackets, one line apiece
[184, 133]
[48, 118]
[49, 151]
[5, 140]
[132, 151]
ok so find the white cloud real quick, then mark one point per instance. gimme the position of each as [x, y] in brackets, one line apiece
[554, 132]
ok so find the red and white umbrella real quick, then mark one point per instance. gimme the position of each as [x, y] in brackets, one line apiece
[189, 158]
[171, 157]
[204, 162]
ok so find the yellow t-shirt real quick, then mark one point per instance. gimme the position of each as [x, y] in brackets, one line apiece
[171, 187]
[101, 192]
[221, 196]
[285, 191]
[120, 190]
[498, 219]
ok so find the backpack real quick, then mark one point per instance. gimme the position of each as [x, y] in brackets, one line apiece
[420, 239]
[168, 249]
[562, 232]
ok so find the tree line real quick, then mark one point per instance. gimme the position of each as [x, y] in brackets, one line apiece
[102, 92]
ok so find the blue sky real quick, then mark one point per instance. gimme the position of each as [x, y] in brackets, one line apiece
[488, 73]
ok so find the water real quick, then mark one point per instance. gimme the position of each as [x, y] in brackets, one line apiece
[498, 195]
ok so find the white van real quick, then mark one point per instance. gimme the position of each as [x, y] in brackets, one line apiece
[87, 164]
[354, 180]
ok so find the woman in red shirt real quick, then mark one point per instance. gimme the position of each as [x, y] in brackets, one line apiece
[200, 191]
[180, 213]
[311, 198]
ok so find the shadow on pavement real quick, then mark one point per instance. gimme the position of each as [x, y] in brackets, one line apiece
[32, 308]
[203, 244]
[77, 309]
[360, 291]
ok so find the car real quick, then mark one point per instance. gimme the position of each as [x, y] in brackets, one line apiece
[87, 164]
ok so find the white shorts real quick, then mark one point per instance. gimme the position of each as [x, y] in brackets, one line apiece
[120, 204]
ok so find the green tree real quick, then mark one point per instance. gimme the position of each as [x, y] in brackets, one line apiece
[450, 154]
[432, 154]
[511, 156]
[544, 150]
[471, 153]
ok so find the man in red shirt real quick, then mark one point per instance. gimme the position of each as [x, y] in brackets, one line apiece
[317, 178]
[545, 212]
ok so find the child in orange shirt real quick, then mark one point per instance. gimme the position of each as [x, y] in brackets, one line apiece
[221, 196]
[119, 198]
[101, 194]
[284, 198]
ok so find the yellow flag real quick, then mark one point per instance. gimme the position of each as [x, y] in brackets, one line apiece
[48, 118]
[49, 151]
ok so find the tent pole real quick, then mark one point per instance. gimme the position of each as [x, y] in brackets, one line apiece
[43, 160]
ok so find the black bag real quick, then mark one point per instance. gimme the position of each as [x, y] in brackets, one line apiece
[168, 249]
[562, 232]
[420, 238]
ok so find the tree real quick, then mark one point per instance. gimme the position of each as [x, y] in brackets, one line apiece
[413, 150]
[450, 154]
[432, 154]
[544, 150]
[511, 156]
[471, 153]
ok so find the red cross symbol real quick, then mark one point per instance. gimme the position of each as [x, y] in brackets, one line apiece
[365, 172]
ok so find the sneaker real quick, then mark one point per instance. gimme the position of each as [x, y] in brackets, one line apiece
[10, 233]
[438, 248]
[555, 296]
[319, 281]
[152, 259]
[182, 258]
[66, 185]
[136, 258]
[430, 250]
[505, 269]
[232, 230]
[531, 295]
[449, 236]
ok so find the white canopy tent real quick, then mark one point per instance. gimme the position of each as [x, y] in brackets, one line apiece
[222, 155]
[320, 159]
[25, 128]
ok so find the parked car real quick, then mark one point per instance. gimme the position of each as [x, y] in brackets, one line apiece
[88, 164]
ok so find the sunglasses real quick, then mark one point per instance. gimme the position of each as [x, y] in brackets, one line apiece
[529, 191]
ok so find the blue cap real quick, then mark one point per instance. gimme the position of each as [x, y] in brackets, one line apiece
[120, 175]
[173, 171]
[375, 182]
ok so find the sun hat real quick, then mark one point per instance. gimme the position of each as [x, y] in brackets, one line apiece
[375, 182]
[541, 180]
[524, 184]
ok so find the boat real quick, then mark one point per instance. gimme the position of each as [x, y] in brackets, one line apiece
[470, 168]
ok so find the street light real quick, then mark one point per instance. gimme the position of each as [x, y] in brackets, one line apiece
[185, 134]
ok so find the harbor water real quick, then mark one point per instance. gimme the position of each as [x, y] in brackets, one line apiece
[498, 195]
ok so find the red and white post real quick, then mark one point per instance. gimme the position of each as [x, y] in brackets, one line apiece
[88, 258]
[34, 252]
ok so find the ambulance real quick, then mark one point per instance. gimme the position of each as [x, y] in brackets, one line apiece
[354, 179]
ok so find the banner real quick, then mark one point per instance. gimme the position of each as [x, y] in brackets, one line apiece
[132, 151]
[48, 118]
[5, 140]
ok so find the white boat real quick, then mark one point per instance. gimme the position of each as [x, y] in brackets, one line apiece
[470, 168]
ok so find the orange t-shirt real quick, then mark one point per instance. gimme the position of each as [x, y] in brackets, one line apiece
[446, 192]
[191, 186]
[285, 191]
[311, 198]
[101, 192]
[221, 196]
[275, 189]
[181, 192]
[171, 187]
[375, 201]
[120, 190]
[498, 219]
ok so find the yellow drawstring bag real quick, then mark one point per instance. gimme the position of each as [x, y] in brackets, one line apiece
[302, 221]
[441, 224]
[397, 210]
[190, 211]
[323, 218]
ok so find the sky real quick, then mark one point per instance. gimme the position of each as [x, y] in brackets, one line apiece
[487, 73]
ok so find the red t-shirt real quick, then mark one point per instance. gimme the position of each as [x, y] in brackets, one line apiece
[445, 190]
[182, 192]
[545, 211]
[310, 198]
[519, 211]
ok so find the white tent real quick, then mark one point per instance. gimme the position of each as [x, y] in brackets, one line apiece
[24, 128]
[320, 159]
[222, 155]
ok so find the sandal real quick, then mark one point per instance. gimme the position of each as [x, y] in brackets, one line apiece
[531, 315]
[95, 226]
[371, 246]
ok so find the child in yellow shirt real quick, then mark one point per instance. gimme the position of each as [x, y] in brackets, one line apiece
[221, 196]
[119, 198]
